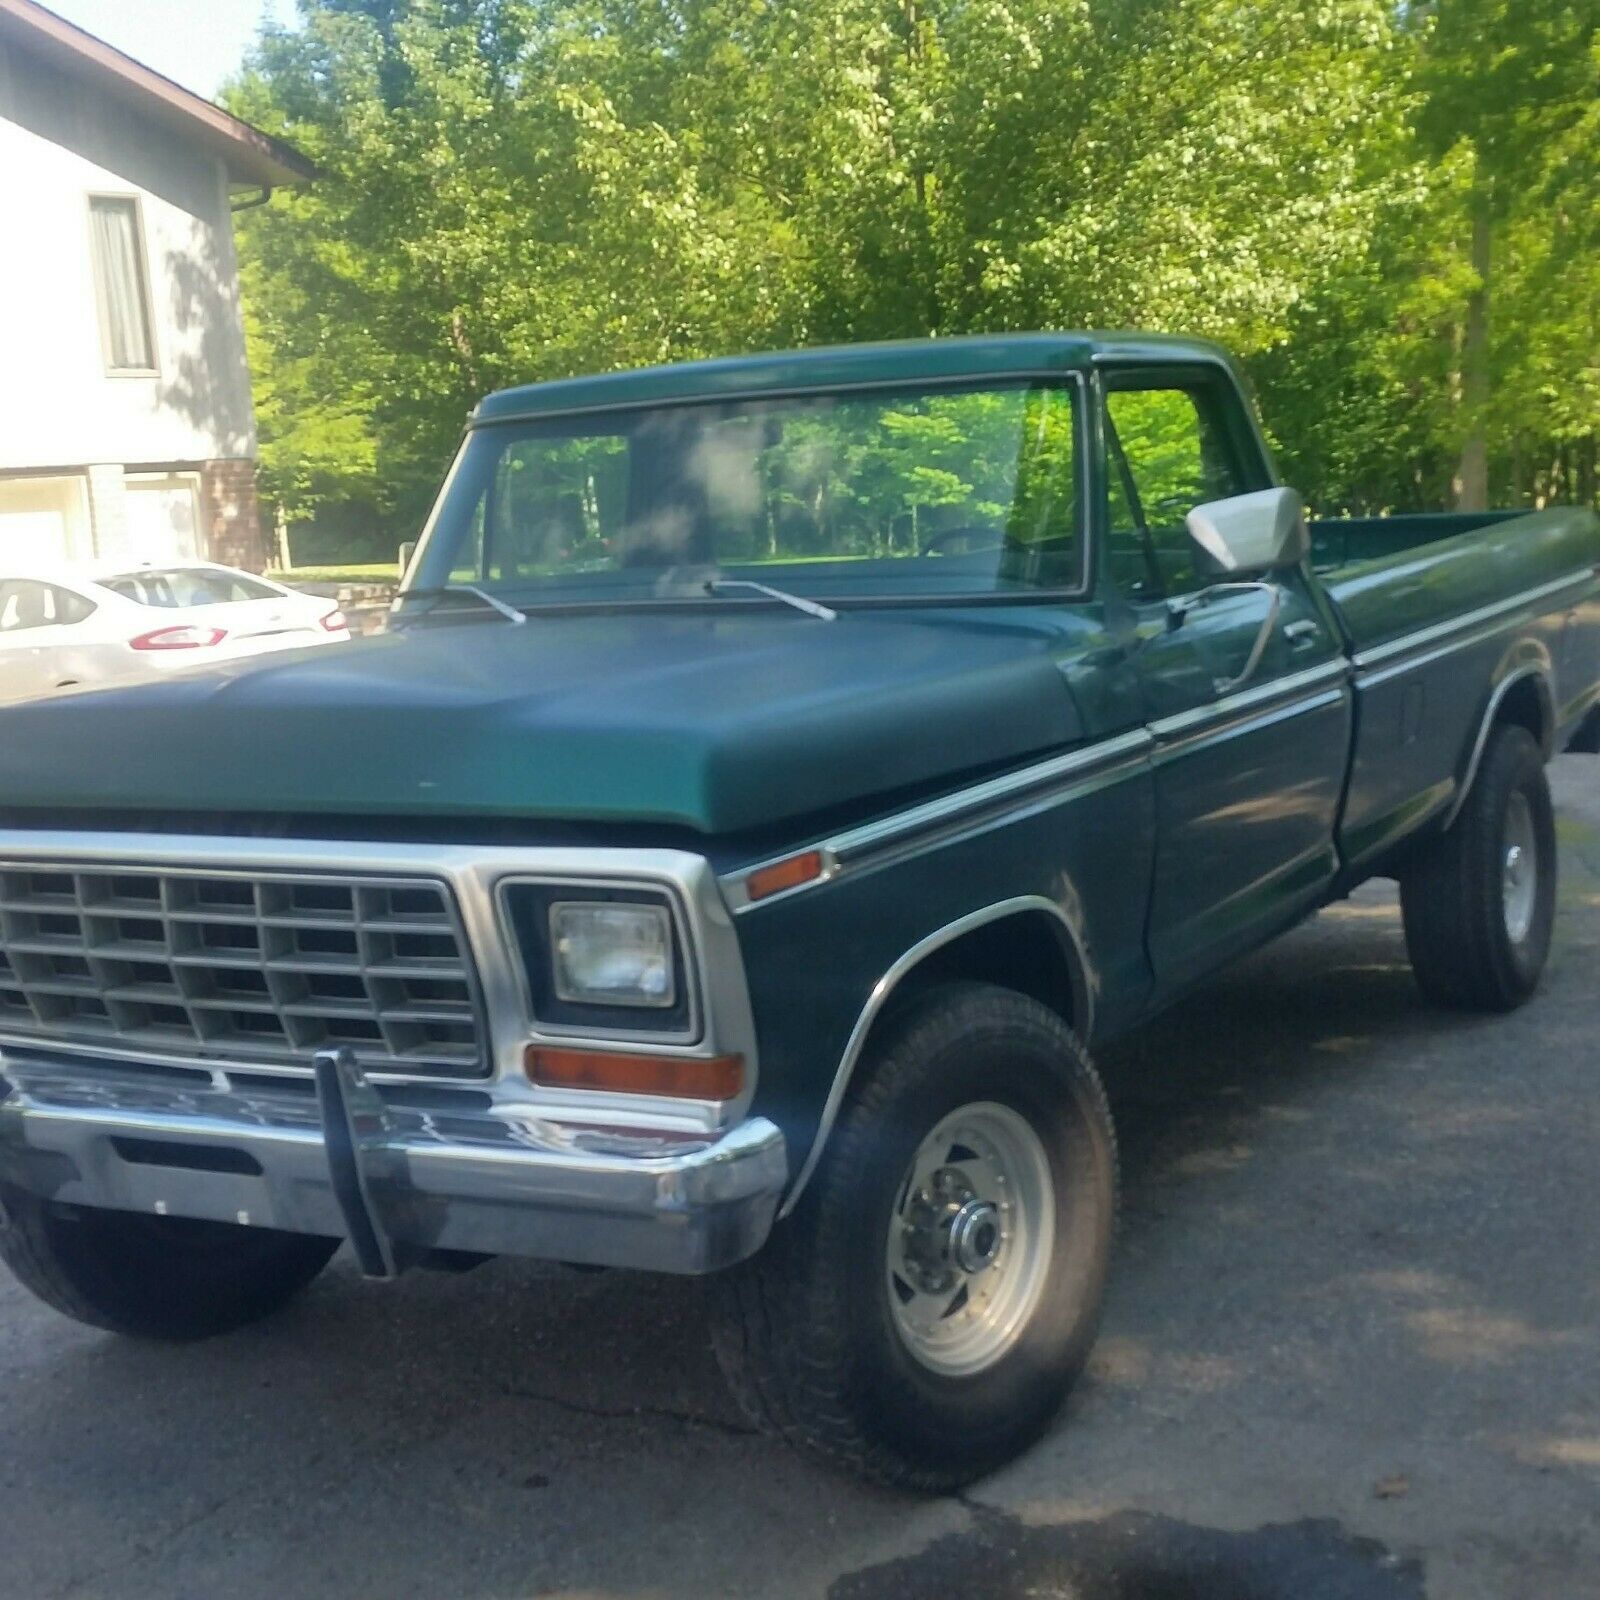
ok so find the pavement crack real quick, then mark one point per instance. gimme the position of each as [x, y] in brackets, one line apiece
[580, 1408]
[144, 1550]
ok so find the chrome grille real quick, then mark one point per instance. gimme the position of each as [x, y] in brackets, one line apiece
[243, 968]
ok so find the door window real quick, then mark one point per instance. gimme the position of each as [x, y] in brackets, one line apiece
[1166, 452]
[26, 603]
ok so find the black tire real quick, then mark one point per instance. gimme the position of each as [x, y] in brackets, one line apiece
[805, 1331]
[170, 1278]
[1454, 895]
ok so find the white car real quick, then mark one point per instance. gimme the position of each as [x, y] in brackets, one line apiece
[59, 629]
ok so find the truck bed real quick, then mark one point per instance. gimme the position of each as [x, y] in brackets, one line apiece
[1346, 541]
[1431, 605]
[1391, 577]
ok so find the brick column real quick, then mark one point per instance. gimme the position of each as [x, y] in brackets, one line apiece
[230, 516]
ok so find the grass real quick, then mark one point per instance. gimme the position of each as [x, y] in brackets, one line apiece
[377, 572]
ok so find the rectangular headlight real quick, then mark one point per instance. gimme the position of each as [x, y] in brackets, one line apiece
[611, 954]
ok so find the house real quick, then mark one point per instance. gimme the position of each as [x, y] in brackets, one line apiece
[126, 426]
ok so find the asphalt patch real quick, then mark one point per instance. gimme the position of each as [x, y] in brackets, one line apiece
[1135, 1556]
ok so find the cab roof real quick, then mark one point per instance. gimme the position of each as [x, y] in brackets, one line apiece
[1006, 355]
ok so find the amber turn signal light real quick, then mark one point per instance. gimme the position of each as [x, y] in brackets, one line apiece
[787, 874]
[682, 1077]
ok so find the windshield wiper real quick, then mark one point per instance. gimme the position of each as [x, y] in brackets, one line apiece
[812, 608]
[510, 613]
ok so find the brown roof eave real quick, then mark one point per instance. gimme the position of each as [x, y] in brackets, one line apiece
[251, 156]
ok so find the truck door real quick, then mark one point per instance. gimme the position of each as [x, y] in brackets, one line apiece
[1243, 687]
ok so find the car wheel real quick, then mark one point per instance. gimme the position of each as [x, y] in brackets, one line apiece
[921, 1315]
[169, 1278]
[1479, 901]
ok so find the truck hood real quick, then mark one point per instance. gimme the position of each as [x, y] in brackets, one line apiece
[718, 724]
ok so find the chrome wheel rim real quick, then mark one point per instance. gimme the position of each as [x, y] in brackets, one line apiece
[971, 1239]
[1519, 885]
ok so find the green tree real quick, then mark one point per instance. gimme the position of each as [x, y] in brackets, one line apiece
[1389, 211]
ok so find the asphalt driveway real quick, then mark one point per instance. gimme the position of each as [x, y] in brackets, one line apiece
[1352, 1352]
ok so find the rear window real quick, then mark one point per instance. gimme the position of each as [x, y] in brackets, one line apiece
[175, 587]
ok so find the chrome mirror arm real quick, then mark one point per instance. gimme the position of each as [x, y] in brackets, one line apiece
[1178, 613]
[1259, 648]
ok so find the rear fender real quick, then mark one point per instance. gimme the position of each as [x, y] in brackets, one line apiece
[1522, 695]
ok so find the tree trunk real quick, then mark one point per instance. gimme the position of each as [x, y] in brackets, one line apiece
[280, 537]
[1472, 474]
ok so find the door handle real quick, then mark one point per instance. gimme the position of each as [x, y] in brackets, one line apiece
[1302, 634]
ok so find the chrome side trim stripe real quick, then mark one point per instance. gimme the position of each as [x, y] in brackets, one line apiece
[1441, 631]
[1053, 780]
[1236, 707]
[1058, 779]
[1009, 787]
[1486, 725]
[1218, 733]
[885, 987]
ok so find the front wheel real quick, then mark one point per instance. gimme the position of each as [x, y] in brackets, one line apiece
[922, 1314]
[169, 1278]
[1479, 902]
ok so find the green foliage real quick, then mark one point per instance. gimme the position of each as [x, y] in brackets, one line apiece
[515, 190]
[1383, 380]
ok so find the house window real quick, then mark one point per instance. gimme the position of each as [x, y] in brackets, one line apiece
[121, 283]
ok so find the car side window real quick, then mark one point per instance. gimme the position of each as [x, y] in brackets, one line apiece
[26, 603]
[1166, 453]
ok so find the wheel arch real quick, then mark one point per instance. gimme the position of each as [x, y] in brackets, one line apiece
[1028, 937]
[1522, 697]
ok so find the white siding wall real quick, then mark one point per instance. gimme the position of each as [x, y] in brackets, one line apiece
[58, 405]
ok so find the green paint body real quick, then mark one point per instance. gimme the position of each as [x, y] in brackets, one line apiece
[746, 732]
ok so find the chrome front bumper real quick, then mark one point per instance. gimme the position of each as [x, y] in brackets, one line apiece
[398, 1174]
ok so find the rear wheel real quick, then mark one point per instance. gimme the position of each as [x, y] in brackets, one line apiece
[922, 1314]
[1479, 901]
[152, 1277]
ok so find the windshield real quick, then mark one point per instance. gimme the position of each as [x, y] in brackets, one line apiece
[905, 494]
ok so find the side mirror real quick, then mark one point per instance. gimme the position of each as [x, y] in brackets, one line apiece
[407, 550]
[1260, 532]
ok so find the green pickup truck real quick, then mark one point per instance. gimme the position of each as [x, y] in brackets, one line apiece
[775, 778]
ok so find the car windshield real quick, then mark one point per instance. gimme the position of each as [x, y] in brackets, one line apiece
[174, 587]
[930, 494]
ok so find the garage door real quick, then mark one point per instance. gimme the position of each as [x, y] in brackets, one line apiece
[162, 517]
[43, 522]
